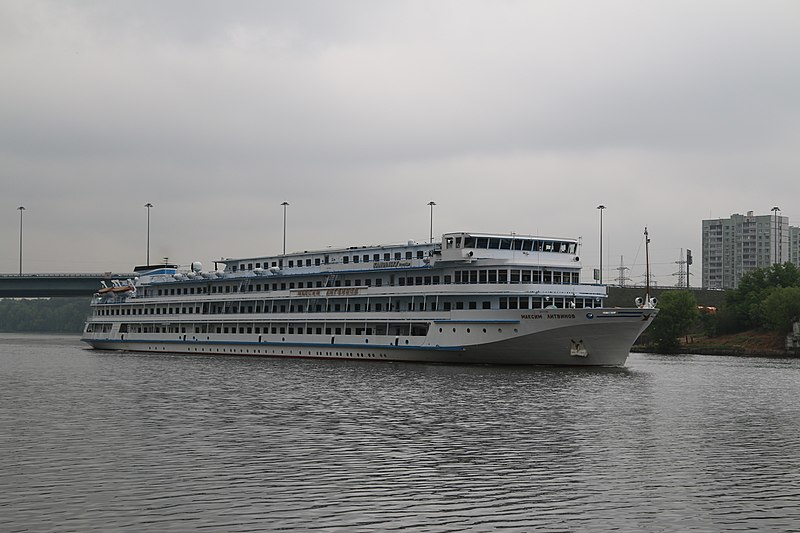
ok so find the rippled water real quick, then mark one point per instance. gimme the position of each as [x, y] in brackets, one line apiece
[107, 441]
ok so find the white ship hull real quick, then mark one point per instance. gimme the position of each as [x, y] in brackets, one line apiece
[582, 337]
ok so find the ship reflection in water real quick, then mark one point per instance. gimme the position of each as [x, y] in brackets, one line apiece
[106, 441]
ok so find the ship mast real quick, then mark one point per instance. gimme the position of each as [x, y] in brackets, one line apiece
[647, 267]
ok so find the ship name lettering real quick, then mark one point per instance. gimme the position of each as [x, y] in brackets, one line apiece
[531, 317]
[561, 316]
[391, 264]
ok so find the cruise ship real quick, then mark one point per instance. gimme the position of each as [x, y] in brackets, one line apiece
[480, 298]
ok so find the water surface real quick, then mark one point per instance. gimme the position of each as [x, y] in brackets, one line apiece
[93, 440]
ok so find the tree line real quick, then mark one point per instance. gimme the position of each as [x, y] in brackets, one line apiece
[57, 315]
[767, 299]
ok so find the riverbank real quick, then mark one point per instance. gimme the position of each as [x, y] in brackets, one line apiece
[748, 343]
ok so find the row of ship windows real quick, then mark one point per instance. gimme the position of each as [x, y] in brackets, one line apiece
[482, 276]
[317, 261]
[432, 304]
[508, 243]
[405, 329]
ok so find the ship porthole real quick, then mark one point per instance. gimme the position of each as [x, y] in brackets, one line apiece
[516, 330]
[440, 330]
[484, 330]
[467, 330]
[499, 330]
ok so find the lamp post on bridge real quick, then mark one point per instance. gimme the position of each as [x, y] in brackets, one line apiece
[148, 205]
[20, 209]
[601, 207]
[284, 204]
[431, 203]
[776, 256]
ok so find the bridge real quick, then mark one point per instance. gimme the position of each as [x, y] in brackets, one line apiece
[54, 285]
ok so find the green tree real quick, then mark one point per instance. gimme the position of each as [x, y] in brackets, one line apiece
[782, 307]
[746, 305]
[677, 313]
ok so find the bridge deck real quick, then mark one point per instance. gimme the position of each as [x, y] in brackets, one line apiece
[54, 285]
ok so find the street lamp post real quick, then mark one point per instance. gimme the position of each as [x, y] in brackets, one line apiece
[431, 203]
[775, 219]
[21, 209]
[148, 205]
[284, 204]
[601, 208]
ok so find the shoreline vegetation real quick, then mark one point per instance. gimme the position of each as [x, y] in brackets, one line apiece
[744, 344]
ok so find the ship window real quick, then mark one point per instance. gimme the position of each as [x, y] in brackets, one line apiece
[473, 305]
[317, 261]
[515, 276]
[409, 255]
[575, 278]
[502, 276]
[557, 277]
[368, 282]
[482, 276]
[345, 259]
[448, 279]
[398, 256]
[527, 245]
[537, 302]
[435, 280]
[448, 242]
[459, 305]
[537, 276]
[504, 303]
[347, 283]
[375, 257]
[492, 276]
[513, 303]
[378, 307]
[526, 276]
[548, 246]
[487, 305]
[291, 263]
[548, 276]
[417, 280]
[473, 276]
[458, 242]
[358, 283]
[338, 331]
[482, 242]
[426, 280]
[538, 246]
[401, 282]
[387, 256]
[505, 244]
[517, 244]
[469, 242]
[348, 331]
[420, 254]
[365, 258]
[355, 259]
[494, 244]
[447, 306]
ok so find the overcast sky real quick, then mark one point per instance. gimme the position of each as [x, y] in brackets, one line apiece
[511, 116]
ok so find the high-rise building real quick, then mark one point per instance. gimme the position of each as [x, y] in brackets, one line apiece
[794, 245]
[736, 245]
